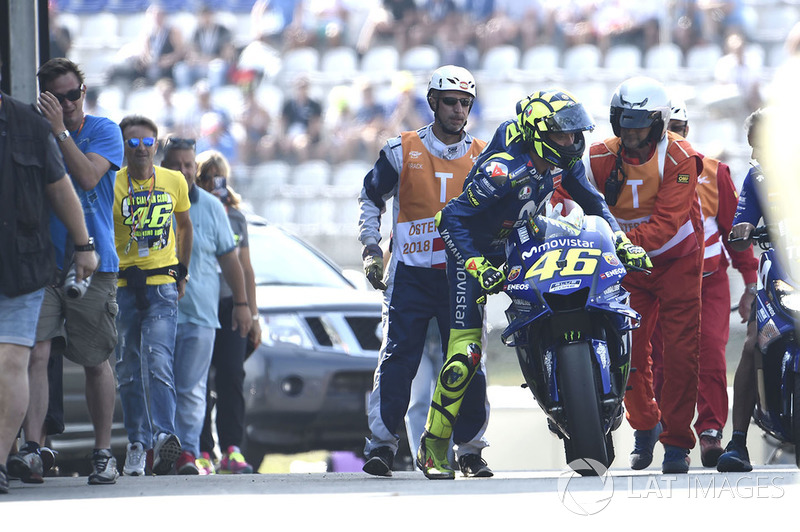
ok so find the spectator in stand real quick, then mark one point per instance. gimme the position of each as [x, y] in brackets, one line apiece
[209, 55]
[318, 23]
[91, 147]
[437, 19]
[300, 135]
[189, 123]
[230, 349]
[165, 113]
[269, 18]
[409, 111]
[735, 68]
[341, 126]
[572, 25]
[215, 135]
[154, 259]
[213, 246]
[633, 22]
[511, 22]
[256, 122]
[60, 37]
[718, 199]
[388, 23]
[154, 55]
[370, 119]
[23, 276]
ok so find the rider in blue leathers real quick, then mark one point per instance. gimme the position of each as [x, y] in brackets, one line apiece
[754, 203]
[512, 179]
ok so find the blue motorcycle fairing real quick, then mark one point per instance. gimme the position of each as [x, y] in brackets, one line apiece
[779, 351]
[563, 261]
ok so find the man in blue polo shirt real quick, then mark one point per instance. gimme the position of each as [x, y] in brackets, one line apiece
[213, 247]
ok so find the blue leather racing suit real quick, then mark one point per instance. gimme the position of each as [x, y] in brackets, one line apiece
[501, 192]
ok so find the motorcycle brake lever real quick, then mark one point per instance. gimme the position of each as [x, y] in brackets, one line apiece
[633, 268]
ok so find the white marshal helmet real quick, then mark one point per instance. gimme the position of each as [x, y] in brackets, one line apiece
[452, 78]
[679, 110]
[639, 102]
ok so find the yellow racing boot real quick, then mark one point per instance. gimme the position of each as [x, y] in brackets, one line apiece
[432, 457]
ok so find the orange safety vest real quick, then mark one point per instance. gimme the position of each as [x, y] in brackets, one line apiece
[708, 192]
[427, 183]
[658, 207]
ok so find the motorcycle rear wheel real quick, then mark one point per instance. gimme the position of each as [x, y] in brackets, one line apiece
[579, 396]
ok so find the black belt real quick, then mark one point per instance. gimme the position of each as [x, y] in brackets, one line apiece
[137, 279]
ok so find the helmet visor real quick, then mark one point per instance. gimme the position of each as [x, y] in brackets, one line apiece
[637, 118]
[570, 119]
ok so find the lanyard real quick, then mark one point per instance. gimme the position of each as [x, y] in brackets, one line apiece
[137, 220]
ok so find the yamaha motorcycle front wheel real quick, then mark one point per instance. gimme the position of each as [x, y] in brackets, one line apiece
[581, 403]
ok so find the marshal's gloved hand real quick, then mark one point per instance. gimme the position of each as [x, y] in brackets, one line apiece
[629, 254]
[373, 266]
[490, 278]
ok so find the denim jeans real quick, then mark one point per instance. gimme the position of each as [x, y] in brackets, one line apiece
[193, 347]
[145, 359]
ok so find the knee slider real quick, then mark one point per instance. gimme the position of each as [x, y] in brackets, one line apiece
[459, 369]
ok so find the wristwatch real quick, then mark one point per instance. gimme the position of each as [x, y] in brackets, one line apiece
[752, 289]
[64, 135]
[86, 247]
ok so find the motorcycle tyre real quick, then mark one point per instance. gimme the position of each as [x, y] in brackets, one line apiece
[579, 397]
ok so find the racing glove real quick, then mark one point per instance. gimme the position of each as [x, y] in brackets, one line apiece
[490, 278]
[629, 254]
[373, 266]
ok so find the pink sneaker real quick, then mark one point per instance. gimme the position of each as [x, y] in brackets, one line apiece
[233, 463]
[204, 464]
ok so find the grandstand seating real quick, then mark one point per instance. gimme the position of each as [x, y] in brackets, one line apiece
[424, 58]
[303, 196]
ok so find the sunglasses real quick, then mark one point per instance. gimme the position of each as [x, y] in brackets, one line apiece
[71, 95]
[147, 141]
[451, 102]
[180, 144]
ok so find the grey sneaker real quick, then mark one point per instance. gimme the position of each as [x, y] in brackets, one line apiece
[105, 467]
[26, 465]
[165, 453]
[134, 460]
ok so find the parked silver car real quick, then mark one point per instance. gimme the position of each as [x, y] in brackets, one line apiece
[307, 382]
[306, 385]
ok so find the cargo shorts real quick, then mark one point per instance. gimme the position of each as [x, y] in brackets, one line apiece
[88, 324]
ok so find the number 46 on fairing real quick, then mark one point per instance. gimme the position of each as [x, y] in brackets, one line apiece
[574, 262]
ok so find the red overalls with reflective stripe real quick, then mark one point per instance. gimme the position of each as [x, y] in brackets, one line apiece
[659, 210]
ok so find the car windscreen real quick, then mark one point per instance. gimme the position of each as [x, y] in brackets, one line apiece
[280, 259]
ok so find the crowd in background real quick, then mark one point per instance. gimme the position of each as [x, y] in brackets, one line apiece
[187, 65]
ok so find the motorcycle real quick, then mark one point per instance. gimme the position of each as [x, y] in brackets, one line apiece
[570, 323]
[777, 410]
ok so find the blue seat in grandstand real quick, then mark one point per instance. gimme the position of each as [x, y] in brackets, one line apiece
[127, 6]
[235, 6]
[80, 7]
